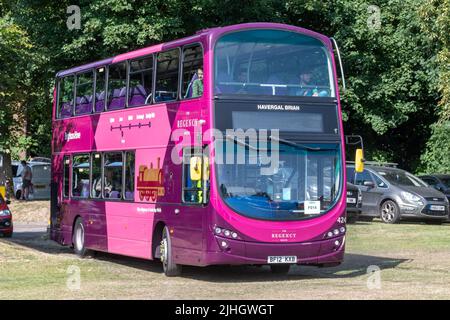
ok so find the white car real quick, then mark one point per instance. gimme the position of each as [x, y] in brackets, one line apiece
[41, 179]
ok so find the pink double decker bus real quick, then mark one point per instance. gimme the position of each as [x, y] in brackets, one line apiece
[225, 147]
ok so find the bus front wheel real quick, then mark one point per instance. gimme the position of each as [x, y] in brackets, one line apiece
[171, 269]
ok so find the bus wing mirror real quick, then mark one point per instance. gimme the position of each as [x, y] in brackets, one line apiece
[359, 160]
[195, 168]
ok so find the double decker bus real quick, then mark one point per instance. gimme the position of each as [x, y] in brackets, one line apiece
[225, 147]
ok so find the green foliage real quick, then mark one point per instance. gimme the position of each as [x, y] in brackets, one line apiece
[436, 159]
[397, 70]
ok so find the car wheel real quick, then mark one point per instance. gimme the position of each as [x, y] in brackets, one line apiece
[18, 194]
[389, 212]
[78, 239]
[171, 269]
[280, 269]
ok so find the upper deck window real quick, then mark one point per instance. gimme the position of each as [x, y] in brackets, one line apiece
[141, 81]
[117, 86]
[272, 62]
[85, 93]
[192, 72]
[167, 76]
[65, 97]
[100, 81]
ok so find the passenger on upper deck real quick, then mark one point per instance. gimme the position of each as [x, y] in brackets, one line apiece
[197, 85]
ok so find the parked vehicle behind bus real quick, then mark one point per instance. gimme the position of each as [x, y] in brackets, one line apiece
[394, 194]
[139, 140]
[354, 203]
[6, 223]
[440, 182]
[41, 179]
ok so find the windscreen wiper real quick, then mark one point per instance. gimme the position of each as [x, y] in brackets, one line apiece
[299, 145]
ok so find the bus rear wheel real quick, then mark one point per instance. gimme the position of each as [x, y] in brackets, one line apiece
[171, 269]
[78, 239]
[280, 269]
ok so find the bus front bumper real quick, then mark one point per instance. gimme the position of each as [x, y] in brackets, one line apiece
[236, 252]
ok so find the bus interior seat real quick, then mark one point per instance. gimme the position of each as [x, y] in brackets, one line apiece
[117, 99]
[99, 101]
[129, 195]
[83, 105]
[114, 195]
[189, 87]
[66, 109]
[138, 95]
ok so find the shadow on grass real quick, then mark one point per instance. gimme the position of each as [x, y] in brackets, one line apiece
[354, 265]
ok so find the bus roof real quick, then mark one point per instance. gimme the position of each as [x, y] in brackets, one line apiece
[214, 32]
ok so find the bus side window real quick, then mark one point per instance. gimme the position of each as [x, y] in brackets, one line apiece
[100, 81]
[65, 96]
[129, 175]
[192, 85]
[81, 176]
[96, 183]
[167, 76]
[117, 86]
[112, 175]
[66, 177]
[85, 92]
[140, 82]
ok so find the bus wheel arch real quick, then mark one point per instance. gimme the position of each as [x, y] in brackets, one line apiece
[79, 238]
[171, 269]
[156, 239]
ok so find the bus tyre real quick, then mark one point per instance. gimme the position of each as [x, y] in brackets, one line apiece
[280, 268]
[171, 269]
[389, 212]
[78, 240]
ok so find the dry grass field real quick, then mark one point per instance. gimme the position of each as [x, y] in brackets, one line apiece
[413, 260]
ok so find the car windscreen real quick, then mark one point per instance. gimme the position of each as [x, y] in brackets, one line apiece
[401, 178]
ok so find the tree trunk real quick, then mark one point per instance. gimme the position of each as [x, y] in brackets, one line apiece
[6, 174]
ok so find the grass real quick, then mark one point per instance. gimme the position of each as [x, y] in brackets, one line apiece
[413, 260]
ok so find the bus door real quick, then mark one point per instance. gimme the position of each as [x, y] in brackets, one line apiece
[191, 215]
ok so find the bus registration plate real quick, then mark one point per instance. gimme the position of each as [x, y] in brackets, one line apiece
[282, 259]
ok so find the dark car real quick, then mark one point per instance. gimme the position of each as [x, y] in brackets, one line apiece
[6, 225]
[354, 201]
[393, 194]
[440, 182]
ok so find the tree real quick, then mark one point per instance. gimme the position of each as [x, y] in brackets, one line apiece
[436, 26]
[14, 51]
